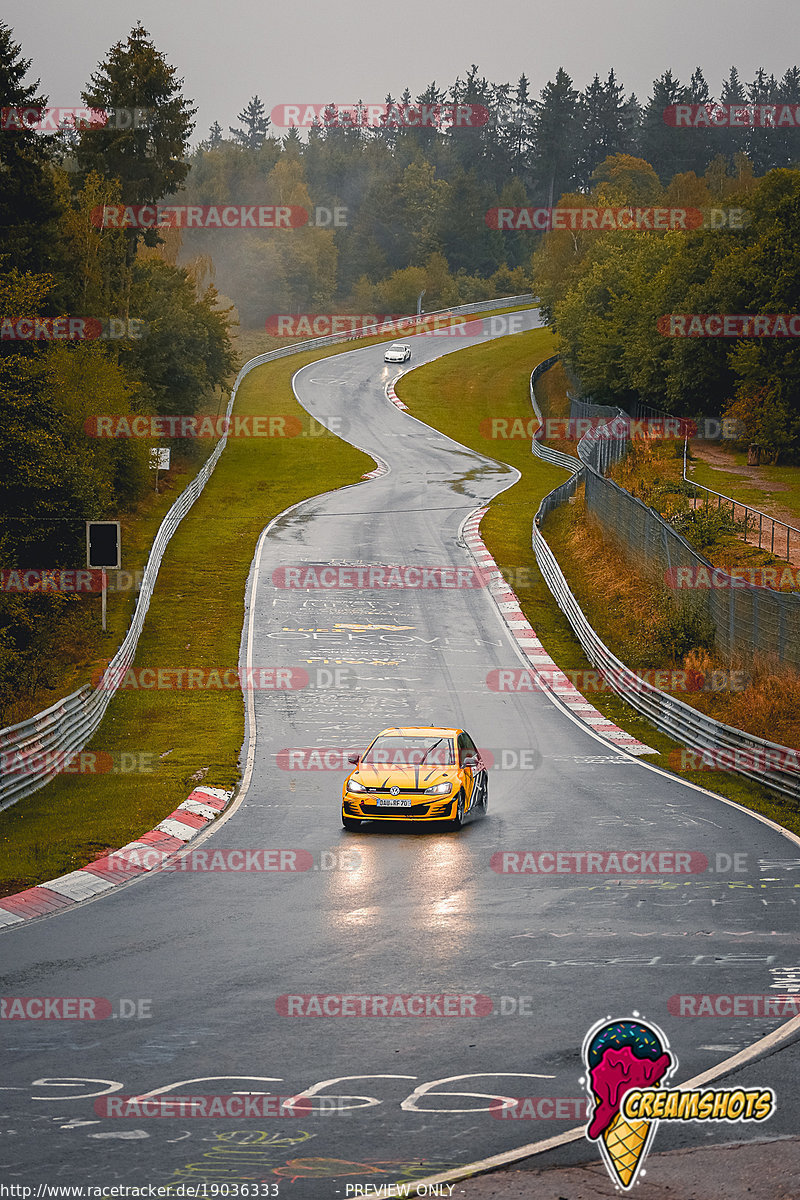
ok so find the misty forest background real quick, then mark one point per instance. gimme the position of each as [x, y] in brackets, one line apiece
[416, 201]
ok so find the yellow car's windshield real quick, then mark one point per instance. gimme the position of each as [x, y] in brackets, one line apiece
[410, 751]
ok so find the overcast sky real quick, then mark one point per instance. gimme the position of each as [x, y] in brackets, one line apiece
[305, 51]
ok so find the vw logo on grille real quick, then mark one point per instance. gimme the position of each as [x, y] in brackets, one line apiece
[394, 791]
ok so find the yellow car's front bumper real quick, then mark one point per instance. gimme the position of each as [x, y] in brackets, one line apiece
[435, 808]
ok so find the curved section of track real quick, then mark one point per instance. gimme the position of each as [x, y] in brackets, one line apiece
[387, 911]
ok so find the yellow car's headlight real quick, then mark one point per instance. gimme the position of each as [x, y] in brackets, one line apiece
[354, 786]
[438, 789]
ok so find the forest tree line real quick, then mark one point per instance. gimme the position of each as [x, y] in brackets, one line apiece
[416, 198]
[415, 201]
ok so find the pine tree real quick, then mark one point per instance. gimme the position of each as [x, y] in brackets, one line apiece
[787, 138]
[732, 141]
[150, 160]
[701, 144]
[660, 144]
[606, 125]
[524, 111]
[386, 132]
[256, 125]
[425, 136]
[556, 138]
[763, 149]
[292, 143]
[470, 144]
[28, 207]
[511, 131]
[698, 88]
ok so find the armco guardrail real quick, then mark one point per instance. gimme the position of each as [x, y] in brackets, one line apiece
[764, 762]
[34, 751]
[545, 452]
[745, 617]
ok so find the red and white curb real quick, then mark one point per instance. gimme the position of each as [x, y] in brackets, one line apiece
[148, 853]
[533, 650]
[392, 396]
[381, 469]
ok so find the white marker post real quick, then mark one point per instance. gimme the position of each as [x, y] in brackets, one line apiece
[159, 460]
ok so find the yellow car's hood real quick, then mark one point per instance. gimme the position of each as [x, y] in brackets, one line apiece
[403, 777]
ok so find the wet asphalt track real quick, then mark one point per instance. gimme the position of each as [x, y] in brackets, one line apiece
[418, 911]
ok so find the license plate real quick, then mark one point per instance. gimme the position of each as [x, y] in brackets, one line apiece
[393, 802]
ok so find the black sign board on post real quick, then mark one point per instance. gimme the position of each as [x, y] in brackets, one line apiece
[103, 549]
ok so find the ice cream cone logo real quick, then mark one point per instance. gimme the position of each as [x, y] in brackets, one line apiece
[618, 1056]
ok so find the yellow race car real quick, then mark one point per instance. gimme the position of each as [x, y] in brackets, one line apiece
[417, 773]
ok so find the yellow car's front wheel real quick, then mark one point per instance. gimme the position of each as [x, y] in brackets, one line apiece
[351, 822]
[458, 819]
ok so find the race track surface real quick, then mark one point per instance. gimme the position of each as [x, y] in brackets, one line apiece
[390, 910]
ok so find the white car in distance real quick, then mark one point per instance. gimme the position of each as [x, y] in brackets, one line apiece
[397, 352]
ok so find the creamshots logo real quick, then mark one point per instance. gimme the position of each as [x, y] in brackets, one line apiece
[626, 1064]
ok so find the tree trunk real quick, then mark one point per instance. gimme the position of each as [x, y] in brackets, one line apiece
[753, 455]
